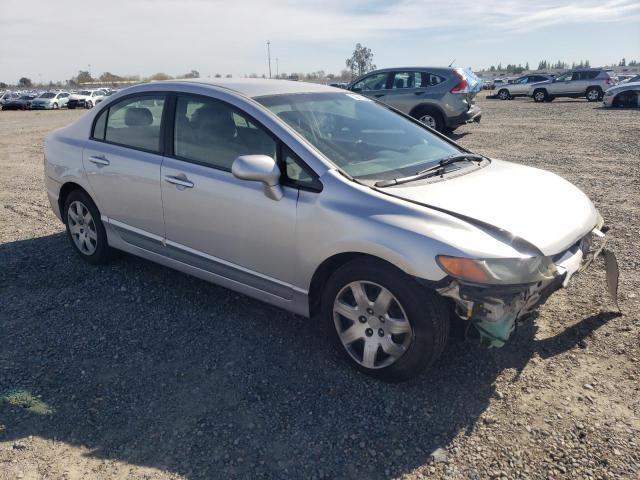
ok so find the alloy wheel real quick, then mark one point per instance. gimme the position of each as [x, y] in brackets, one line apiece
[593, 95]
[372, 324]
[82, 228]
[540, 96]
[428, 120]
[503, 95]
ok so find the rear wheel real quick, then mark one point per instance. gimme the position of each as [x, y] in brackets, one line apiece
[503, 94]
[539, 95]
[382, 321]
[85, 229]
[593, 94]
[431, 118]
[88, 104]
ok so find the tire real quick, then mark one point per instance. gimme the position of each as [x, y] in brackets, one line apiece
[593, 94]
[540, 95]
[419, 317]
[71, 107]
[503, 94]
[88, 105]
[430, 117]
[55, 106]
[87, 235]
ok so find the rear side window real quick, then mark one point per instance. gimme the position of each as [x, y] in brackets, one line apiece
[212, 133]
[133, 122]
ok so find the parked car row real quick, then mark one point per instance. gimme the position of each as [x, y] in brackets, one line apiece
[590, 83]
[54, 99]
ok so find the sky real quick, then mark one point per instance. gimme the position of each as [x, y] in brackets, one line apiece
[52, 40]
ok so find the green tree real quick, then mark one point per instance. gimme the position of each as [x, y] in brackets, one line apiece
[84, 77]
[160, 76]
[25, 82]
[361, 61]
[108, 77]
[192, 74]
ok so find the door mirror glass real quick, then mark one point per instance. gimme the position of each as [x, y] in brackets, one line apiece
[259, 168]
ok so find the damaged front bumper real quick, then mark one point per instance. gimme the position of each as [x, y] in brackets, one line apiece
[494, 309]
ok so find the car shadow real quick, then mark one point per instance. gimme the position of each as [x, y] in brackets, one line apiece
[145, 365]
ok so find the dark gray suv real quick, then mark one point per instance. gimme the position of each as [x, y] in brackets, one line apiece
[440, 97]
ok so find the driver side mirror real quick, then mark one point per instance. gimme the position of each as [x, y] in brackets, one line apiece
[355, 89]
[259, 168]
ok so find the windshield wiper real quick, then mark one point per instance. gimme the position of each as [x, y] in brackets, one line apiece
[430, 171]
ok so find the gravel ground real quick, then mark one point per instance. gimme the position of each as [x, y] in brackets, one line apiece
[131, 370]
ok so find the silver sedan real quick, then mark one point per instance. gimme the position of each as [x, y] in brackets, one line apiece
[325, 203]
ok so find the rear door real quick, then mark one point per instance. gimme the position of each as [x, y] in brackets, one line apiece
[408, 88]
[122, 160]
[374, 85]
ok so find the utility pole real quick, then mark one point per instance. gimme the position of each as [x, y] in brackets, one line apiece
[269, 56]
[277, 69]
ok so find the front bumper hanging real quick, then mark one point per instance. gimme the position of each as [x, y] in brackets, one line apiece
[494, 309]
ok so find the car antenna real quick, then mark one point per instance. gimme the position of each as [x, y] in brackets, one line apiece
[452, 62]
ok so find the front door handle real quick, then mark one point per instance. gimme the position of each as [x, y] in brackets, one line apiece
[378, 95]
[418, 93]
[99, 160]
[183, 182]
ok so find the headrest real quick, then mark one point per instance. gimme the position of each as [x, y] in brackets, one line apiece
[138, 117]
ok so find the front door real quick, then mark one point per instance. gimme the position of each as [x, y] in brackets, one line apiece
[214, 221]
[122, 160]
[374, 86]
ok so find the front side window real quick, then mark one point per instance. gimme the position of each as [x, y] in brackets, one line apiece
[133, 122]
[372, 82]
[213, 133]
[48, 95]
[365, 139]
[565, 78]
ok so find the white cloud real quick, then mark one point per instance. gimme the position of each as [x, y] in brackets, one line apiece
[145, 36]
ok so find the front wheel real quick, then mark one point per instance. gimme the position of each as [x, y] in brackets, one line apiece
[55, 106]
[85, 229]
[504, 94]
[88, 104]
[384, 322]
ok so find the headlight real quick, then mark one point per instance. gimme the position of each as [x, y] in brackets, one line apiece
[507, 271]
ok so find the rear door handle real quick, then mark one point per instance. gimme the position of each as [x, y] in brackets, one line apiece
[379, 95]
[418, 93]
[99, 160]
[183, 182]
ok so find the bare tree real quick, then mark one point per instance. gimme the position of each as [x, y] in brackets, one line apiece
[361, 61]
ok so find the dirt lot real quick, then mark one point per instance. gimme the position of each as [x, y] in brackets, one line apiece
[131, 370]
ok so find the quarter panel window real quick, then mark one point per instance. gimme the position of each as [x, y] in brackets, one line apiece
[211, 132]
[99, 126]
[135, 122]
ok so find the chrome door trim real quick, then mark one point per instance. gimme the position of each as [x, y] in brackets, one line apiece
[200, 260]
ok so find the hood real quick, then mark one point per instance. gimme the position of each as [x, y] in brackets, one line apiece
[77, 96]
[537, 206]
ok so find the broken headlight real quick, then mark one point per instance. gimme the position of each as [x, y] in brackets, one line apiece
[499, 271]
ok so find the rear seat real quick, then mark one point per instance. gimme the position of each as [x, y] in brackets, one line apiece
[139, 131]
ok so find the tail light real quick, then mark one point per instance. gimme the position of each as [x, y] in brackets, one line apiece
[462, 86]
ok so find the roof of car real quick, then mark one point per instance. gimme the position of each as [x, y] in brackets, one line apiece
[258, 87]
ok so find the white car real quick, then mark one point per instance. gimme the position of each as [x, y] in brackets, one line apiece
[85, 98]
[50, 100]
[520, 86]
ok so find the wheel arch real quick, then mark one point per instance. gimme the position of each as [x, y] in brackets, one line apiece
[65, 190]
[324, 271]
[427, 106]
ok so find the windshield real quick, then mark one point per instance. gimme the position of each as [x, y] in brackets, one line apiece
[48, 95]
[365, 139]
[84, 92]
